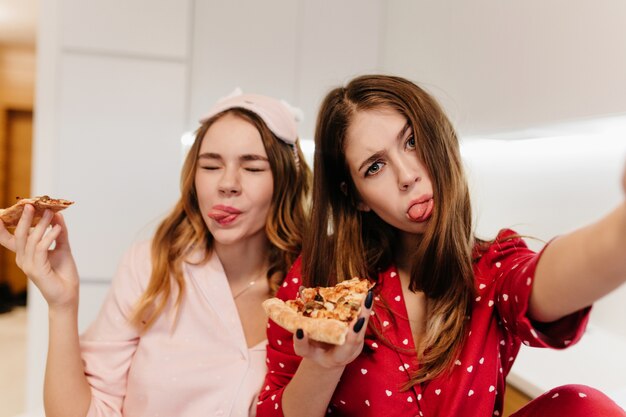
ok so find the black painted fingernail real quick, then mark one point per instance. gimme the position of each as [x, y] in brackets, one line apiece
[369, 299]
[300, 334]
[359, 324]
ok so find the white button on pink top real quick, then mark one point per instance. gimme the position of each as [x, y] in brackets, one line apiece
[199, 366]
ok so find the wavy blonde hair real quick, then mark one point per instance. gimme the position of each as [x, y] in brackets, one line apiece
[184, 229]
[361, 244]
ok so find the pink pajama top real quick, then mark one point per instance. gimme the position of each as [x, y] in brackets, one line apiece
[371, 385]
[201, 366]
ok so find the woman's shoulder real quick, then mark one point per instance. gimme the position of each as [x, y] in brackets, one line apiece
[140, 248]
[506, 240]
[292, 282]
[501, 254]
[135, 266]
[138, 252]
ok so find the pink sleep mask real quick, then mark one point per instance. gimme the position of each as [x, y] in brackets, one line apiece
[279, 116]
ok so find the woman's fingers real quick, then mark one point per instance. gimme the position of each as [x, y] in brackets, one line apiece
[36, 234]
[21, 234]
[6, 238]
[324, 354]
[39, 230]
[40, 255]
[330, 355]
[62, 240]
[301, 345]
[357, 333]
[22, 228]
[31, 244]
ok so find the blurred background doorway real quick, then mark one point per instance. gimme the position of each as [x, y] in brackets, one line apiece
[18, 20]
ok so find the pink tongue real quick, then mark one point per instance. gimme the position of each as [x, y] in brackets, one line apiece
[417, 210]
[218, 214]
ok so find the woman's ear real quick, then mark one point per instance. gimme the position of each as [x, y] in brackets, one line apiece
[344, 188]
[361, 206]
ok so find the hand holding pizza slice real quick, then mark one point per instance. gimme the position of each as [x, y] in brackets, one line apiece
[11, 216]
[51, 269]
[323, 313]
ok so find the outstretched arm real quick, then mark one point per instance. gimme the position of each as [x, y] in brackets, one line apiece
[66, 391]
[579, 268]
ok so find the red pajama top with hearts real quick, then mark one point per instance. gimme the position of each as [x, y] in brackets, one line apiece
[371, 385]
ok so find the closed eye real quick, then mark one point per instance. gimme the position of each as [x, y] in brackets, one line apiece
[255, 164]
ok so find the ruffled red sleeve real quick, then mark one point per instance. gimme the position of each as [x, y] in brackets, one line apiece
[504, 280]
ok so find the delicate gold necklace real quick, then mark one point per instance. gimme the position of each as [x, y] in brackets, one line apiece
[247, 287]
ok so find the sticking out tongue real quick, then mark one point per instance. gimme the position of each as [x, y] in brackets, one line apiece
[221, 216]
[421, 211]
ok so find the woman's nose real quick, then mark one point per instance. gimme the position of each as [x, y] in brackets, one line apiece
[408, 175]
[229, 183]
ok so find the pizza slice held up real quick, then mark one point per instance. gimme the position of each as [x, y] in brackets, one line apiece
[10, 216]
[324, 313]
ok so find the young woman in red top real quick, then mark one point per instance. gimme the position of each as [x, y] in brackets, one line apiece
[449, 312]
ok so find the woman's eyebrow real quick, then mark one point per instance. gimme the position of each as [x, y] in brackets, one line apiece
[403, 131]
[246, 157]
[253, 157]
[373, 158]
[380, 154]
[210, 155]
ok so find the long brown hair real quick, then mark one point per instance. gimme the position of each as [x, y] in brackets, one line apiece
[184, 230]
[356, 243]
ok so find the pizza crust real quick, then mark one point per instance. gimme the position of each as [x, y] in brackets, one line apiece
[323, 330]
[11, 216]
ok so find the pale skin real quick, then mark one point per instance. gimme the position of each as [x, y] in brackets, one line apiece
[574, 271]
[237, 176]
[233, 170]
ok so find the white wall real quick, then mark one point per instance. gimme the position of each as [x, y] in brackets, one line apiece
[504, 65]
[294, 50]
[119, 82]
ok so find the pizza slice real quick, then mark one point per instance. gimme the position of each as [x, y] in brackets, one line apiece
[324, 313]
[10, 216]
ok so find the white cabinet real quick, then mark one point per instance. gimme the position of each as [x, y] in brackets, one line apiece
[246, 44]
[120, 122]
[149, 28]
[293, 50]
